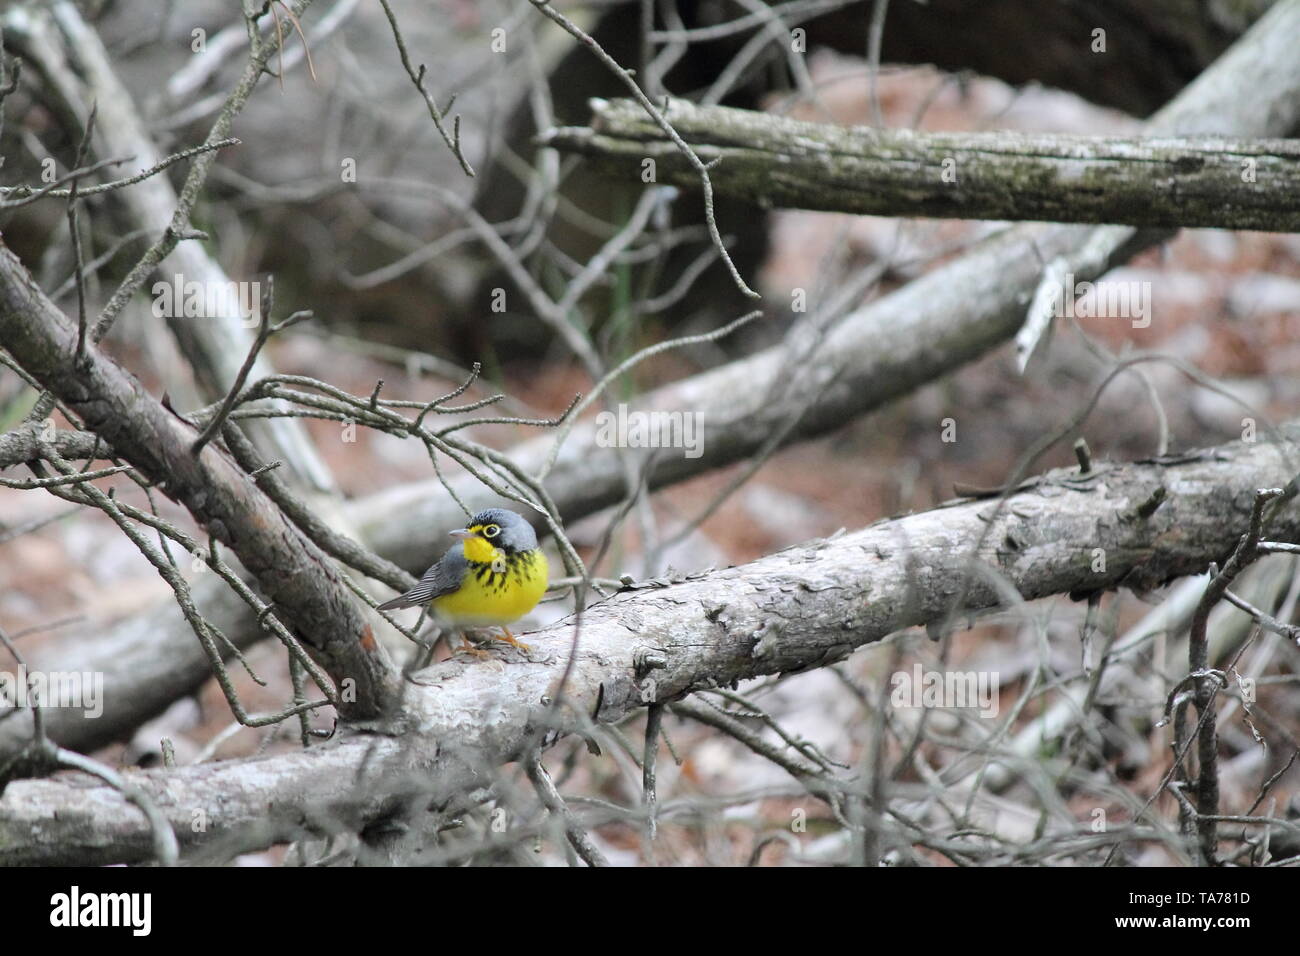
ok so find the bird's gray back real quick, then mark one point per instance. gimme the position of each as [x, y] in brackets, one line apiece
[442, 578]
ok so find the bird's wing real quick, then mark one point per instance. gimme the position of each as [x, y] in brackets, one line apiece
[443, 578]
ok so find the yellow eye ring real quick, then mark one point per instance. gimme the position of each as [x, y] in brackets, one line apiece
[492, 530]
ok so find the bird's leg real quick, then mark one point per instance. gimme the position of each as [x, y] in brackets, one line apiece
[513, 641]
[467, 647]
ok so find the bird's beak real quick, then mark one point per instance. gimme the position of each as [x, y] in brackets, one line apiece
[463, 533]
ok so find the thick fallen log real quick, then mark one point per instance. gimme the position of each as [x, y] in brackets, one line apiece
[805, 607]
[773, 161]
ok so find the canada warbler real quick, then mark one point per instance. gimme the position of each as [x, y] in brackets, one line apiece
[494, 577]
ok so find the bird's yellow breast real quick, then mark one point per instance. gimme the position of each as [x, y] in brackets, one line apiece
[495, 591]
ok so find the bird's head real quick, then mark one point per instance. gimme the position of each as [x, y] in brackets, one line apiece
[496, 529]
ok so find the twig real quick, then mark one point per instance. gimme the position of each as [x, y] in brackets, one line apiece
[30, 194]
[1207, 783]
[452, 139]
[26, 484]
[265, 329]
[1267, 621]
[875, 37]
[576, 833]
[49, 190]
[654, 720]
[74, 233]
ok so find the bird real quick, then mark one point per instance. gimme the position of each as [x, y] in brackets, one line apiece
[495, 576]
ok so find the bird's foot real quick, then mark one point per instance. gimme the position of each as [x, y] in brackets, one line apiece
[510, 639]
[467, 648]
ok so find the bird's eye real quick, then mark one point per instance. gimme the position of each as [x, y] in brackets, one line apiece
[492, 530]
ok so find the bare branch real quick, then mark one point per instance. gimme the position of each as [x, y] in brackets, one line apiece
[769, 160]
[452, 139]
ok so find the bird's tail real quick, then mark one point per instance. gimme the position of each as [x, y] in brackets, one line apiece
[396, 603]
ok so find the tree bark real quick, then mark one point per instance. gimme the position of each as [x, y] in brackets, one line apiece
[772, 161]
